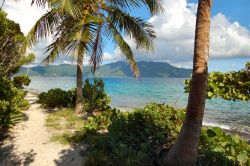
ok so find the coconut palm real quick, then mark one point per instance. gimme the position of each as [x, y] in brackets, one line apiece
[184, 151]
[78, 28]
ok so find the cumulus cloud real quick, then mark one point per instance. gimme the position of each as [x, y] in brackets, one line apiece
[176, 29]
[23, 13]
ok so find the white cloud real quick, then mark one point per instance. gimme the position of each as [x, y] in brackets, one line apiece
[23, 13]
[176, 29]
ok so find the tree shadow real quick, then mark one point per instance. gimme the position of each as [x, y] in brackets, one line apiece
[9, 158]
[6, 133]
[7, 155]
[73, 156]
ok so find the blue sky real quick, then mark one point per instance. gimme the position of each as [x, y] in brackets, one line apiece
[230, 33]
[235, 10]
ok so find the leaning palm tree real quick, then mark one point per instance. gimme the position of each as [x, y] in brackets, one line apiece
[79, 26]
[184, 151]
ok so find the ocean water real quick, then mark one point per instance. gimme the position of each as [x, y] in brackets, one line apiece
[129, 93]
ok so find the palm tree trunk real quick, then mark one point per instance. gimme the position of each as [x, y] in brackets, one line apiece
[184, 152]
[79, 98]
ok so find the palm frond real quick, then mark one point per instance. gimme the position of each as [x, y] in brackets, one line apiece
[124, 48]
[154, 6]
[43, 28]
[134, 27]
[41, 3]
[97, 54]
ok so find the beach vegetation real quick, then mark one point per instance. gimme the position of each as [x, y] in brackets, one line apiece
[218, 148]
[94, 97]
[142, 137]
[11, 40]
[233, 85]
[12, 101]
[56, 98]
[21, 81]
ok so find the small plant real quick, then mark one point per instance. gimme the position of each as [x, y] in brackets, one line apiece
[218, 148]
[20, 81]
[94, 96]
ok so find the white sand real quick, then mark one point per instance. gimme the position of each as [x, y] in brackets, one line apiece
[30, 143]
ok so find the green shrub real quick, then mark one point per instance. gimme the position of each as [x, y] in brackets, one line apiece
[56, 98]
[20, 81]
[135, 138]
[142, 137]
[218, 148]
[12, 102]
[94, 97]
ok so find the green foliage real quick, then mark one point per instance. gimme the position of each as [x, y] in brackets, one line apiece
[135, 138]
[21, 81]
[12, 102]
[56, 98]
[142, 137]
[229, 86]
[94, 97]
[11, 40]
[218, 148]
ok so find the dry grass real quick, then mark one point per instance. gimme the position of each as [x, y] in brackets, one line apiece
[64, 124]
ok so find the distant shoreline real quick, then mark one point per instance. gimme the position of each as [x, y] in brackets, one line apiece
[243, 135]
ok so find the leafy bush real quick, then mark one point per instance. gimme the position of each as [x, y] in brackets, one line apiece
[12, 102]
[229, 86]
[94, 97]
[135, 138]
[142, 137]
[21, 81]
[218, 148]
[56, 98]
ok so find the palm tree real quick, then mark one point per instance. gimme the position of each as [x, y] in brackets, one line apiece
[184, 151]
[79, 26]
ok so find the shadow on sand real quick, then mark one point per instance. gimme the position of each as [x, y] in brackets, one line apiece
[72, 157]
[9, 158]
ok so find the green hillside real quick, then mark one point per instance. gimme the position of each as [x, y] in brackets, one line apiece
[117, 69]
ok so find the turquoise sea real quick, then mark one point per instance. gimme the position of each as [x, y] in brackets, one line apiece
[128, 93]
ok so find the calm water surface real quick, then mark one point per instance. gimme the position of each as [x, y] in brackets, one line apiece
[128, 93]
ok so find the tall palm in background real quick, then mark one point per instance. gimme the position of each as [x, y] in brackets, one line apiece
[79, 26]
[184, 151]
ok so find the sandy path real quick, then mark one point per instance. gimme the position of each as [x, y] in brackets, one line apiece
[30, 145]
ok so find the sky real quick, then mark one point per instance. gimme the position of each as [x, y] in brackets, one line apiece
[229, 37]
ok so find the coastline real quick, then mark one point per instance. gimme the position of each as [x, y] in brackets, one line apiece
[226, 129]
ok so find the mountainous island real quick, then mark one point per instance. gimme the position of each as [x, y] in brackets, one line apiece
[116, 69]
